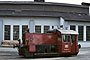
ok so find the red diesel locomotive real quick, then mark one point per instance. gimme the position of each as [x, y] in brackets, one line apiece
[55, 42]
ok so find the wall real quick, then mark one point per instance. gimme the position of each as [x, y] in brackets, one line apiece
[25, 20]
[1, 30]
[49, 21]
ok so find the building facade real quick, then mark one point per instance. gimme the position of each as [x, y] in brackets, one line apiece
[16, 17]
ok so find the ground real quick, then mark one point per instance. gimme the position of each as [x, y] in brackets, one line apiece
[12, 54]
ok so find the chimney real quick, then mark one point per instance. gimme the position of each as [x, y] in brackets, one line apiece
[39, 0]
[86, 4]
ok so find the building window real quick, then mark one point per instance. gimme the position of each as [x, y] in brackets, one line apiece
[24, 28]
[38, 29]
[7, 32]
[15, 32]
[88, 33]
[52, 27]
[72, 27]
[80, 30]
[46, 28]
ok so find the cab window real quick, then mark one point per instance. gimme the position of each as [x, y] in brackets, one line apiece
[73, 38]
[66, 38]
[59, 36]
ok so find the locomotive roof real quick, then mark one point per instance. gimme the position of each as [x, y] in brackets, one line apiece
[68, 32]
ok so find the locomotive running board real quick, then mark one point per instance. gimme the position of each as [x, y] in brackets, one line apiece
[47, 54]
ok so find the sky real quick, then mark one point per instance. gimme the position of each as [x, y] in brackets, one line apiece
[59, 1]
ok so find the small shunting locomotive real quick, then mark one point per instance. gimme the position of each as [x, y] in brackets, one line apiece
[54, 42]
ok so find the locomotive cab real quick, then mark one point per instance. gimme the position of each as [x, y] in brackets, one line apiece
[68, 42]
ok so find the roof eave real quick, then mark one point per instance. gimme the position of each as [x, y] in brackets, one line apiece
[40, 3]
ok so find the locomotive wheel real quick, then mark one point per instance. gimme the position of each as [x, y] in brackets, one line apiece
[75, 54]
[21, 51]
[28, 54]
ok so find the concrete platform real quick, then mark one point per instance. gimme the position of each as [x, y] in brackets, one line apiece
[12, 54]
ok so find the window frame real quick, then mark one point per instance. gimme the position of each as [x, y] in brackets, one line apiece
[66, 41]
[40, 28]
[44, 28]
[9, 32]
[74, 39]
[87, 34]
[24, 32]
[80, 33]
[73, 26]
[16, 32]
[59, 37]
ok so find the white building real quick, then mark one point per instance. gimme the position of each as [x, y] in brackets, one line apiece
[15, 17]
